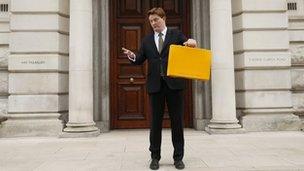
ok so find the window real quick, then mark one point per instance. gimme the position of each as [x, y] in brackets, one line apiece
[292, 6]
[3, 7]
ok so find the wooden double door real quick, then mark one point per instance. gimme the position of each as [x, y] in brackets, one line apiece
[128, 25]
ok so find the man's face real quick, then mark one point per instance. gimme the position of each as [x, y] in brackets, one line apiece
[157, 23]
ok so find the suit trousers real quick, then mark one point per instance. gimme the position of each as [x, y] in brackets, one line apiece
[175, 104]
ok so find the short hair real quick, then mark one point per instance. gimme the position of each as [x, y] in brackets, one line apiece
[157, 11]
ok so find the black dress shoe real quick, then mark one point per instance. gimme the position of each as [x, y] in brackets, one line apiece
[179, 164]
[154, 165]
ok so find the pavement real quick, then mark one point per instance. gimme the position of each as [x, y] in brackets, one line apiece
[127, 150]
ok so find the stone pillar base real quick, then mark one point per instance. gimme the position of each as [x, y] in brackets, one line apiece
[200, 124]
[103, 126]
[224, 129]
[74, 127]
[79, 134]
[77, 130]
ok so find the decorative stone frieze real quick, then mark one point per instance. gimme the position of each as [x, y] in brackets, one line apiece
[297, 79]
[4, 52]
[3, 106]
[3, 83]
[297, 54]
[298, 102]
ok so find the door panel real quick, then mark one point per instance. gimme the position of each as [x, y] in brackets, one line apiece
[128, 96]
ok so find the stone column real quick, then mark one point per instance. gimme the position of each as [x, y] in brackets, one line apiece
[223, 87]
[81, 71]
[201, 90]
[105, 65]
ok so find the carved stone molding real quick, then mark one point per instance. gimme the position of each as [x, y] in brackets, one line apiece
[297, 55]
[3, 106]
[4, 59]
[297, 79]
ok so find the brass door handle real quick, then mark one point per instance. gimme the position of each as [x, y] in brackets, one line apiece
[131, 80]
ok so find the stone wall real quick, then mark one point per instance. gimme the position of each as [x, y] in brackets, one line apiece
[37, 67]
[4, 52]
[296, 40]
[262, 65]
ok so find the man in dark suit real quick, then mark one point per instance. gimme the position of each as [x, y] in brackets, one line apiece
[161, 88]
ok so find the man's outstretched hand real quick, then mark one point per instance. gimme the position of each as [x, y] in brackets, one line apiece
[129, 54]
[190, 43]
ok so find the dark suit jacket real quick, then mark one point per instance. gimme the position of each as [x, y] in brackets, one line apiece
[148, 50]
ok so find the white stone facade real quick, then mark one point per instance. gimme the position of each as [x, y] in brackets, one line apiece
[296, 42]
[257, 71]
[4, 53]
[263, 67]
[38, 40]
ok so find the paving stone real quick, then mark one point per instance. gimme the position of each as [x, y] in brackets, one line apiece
[128, 151]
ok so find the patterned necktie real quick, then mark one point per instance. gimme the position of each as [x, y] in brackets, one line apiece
[160, 47]
[160, 42]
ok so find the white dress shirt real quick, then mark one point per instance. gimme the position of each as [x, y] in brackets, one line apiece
[156, 37]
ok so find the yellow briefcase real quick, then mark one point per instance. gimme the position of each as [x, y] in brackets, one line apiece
[186, 62]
